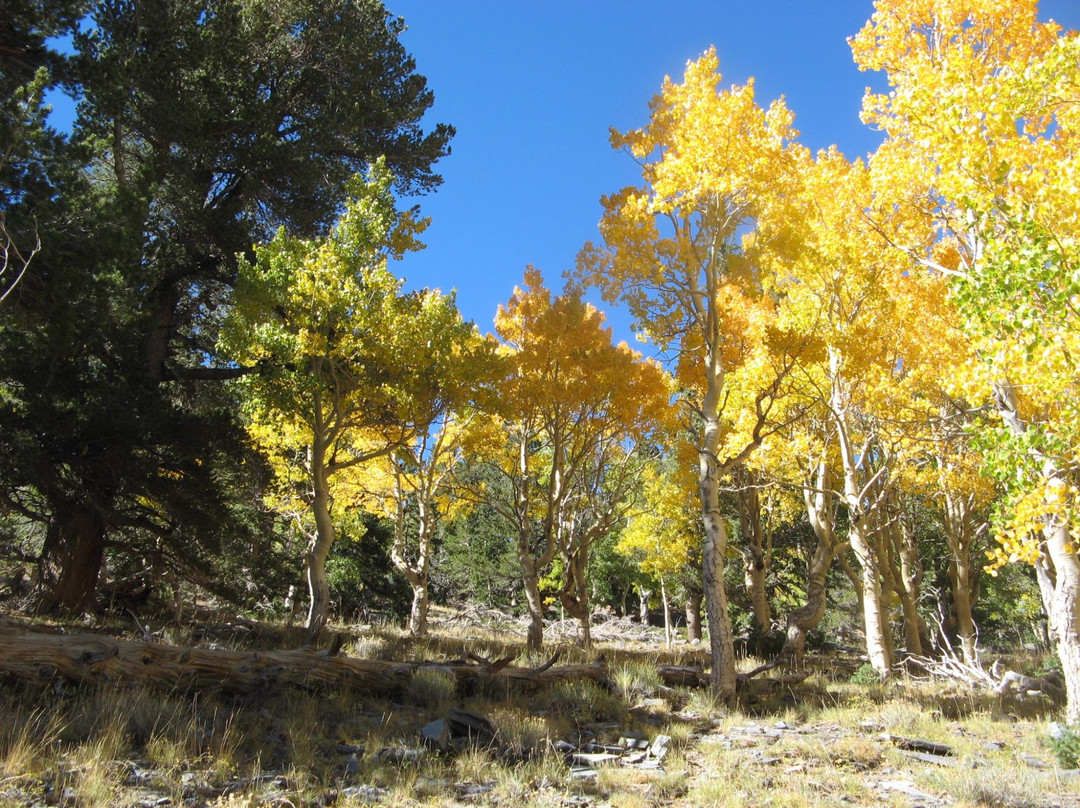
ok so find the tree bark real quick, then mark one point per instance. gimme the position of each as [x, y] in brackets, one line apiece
[73, 554]
[530, 578]
[693, 615]
[1063, 608]
[667, 613]
[721, 639]
[959, 534]
[644, 596]
[754, 552]
[416, 573]
[860, 532]
[319, 548]
[877, 648]
[574, 595]
[418, 613]
[821, 511]
[1065, 613]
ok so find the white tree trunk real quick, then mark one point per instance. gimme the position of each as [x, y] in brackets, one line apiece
[667, 613]
[1063, 608]
[318, 551]
[820, 510]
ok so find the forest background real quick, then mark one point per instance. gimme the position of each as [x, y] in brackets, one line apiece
[867, 386]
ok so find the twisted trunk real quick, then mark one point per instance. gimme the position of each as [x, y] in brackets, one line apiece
[821, 511]
[73, 554]
[319, 549]
[574, 595]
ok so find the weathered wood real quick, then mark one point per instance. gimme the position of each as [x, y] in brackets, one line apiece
[685, 675]
[917, 745]
[91, 659]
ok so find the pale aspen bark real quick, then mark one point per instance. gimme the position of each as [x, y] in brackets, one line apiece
[644, 596]
[960, 578]
[418, 613]
[873, 615]
[860, 532]
[1065, 612]
[416, 572]
[1059, 580]
[905, 571]
[959, 534]
[821, 511]
[574, 595]
[667, 613]
[721, 639]
[533, 600]
[861, 540]
[318, 550]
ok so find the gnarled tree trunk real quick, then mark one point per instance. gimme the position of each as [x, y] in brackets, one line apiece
[821, 510]
[73, 554]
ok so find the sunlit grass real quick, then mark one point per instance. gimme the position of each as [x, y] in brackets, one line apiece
[297, 747]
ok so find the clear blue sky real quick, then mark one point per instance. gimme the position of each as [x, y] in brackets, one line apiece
[533, 87]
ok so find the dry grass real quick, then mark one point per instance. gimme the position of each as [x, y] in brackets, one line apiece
[115, 746]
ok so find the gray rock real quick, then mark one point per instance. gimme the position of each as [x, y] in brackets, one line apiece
[437, 734]
[659, 748]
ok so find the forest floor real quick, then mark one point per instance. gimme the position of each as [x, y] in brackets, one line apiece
[634, 744]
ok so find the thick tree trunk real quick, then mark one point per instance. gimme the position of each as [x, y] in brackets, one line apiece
[1066, 614]
[418, 614]
[73, 554]
[721, 639]
[877, 646]
[530, 578]
[965, 623]
[860, 533]
[809, 615]
[574, 595]
[1063, 608]
[910, 586]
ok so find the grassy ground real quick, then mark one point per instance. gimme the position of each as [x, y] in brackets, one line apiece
[823, 743]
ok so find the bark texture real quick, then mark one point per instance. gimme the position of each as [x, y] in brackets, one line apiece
[73, 554]
[820, 505]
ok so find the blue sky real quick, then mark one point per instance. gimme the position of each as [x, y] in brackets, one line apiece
[533, 87]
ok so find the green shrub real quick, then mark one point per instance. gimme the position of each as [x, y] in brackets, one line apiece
[866, 676]
[1065, 742]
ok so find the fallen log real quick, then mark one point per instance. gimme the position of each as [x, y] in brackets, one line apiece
[96, 659]
[917, 745]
